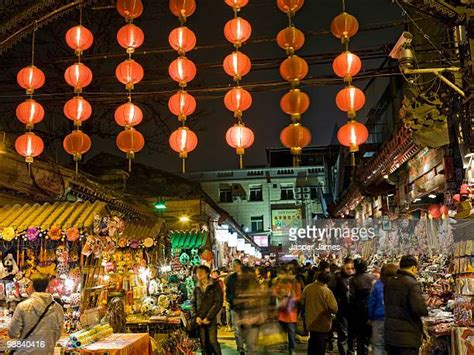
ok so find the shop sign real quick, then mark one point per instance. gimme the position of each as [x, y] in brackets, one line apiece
[283, 220]
[261, 240]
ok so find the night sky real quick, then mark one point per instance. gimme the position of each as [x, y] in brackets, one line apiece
[265, 117]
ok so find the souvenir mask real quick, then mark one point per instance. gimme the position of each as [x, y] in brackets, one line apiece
[55, 233]
[32, 234]
[72, 234]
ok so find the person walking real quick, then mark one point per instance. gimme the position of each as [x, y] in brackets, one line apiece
[340, 287]
[207, 303]
[404, 307]
[319, 307]
[287, 291]
[359, 292]
[231, 285]
[215, 275]
[377, 309]
[37, 322]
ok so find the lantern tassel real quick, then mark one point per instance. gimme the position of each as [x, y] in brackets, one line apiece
[77, 167]
[241, 161]
[183, 165]
[129, 165]
[353, 159]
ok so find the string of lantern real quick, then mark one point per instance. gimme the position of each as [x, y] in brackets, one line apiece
[293, 69]
[350, 99]
[79, 76]
[129, 72]
[30, 112]
[237, 100]
[182, 70]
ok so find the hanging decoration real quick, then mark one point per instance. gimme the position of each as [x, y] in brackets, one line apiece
[78, 76]
[129, 73]
[350, 99]
[293, 69]
[30, 112]
[182, 70]
[237, 64]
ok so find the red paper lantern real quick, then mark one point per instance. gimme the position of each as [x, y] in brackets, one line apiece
[290, 6]
[182, 39]
[434, 211]
[29, 145]
[238, 100]
[290, 39]
[30, 78]
[352, 135]
[128, 115]
[182, 70]
[346, 65]
[295, 103]
[130, 142]
[237, 65]
[296, 137]
[78, 110]
[183, 141]
[182, 8]
[129, 72]
[444, 210]
[79, 38]
[78, 76]
[350, 100]
[237, 31]
[182, 105]
[76, 144]
[130, 9]
[344, 26]
[130, 37]
[30, 112]
[294, 69]
[239, 137]
[237, 4]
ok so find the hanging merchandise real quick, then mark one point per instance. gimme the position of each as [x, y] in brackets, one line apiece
[237, 64]
[129, 72]
[182, 70]
[30, 112]
[293, 69]
[78, 76]
[350, 99]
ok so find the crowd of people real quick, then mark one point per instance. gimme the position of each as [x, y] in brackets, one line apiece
[345, 305]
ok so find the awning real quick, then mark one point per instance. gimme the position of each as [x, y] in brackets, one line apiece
[142, 230]
[61, 214]
[188, 239]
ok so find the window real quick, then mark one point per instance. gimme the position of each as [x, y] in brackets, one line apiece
[225, 194]
[287, 192]
[314, 192]
[256, 223]
[256, 193]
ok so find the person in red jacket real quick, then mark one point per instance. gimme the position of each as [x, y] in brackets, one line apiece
[287, 291]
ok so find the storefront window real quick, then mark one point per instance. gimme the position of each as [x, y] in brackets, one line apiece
[287, 192]
[257, 223]
[256, 193]
[225, 194]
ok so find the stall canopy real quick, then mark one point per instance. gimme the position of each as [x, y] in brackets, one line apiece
[142, 230]
[60, 214]
[188, 239]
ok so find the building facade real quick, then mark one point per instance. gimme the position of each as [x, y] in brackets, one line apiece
[266, 202]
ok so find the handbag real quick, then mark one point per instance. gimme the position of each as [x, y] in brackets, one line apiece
[32, 329]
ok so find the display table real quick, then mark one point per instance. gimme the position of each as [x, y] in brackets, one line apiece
[120, 344]
[152, 325]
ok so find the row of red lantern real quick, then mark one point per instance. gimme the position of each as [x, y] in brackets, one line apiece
[438, 211]
[129, 72]
[30, 112]
[293, 69]
[78, 109]
[350, 99]
[182, 70]
[237, 65]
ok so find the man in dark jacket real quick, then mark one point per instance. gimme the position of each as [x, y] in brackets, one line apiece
[404, 307]
[231, 287]
[340, 287]
[359, 291]
[208, 300]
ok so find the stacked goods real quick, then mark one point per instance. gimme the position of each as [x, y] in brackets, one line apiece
[90, 335]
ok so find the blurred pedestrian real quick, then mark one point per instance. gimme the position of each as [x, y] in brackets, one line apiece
[360, 286]
[231, 292]
[215, 274]
[377, 309]
[319, 307]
